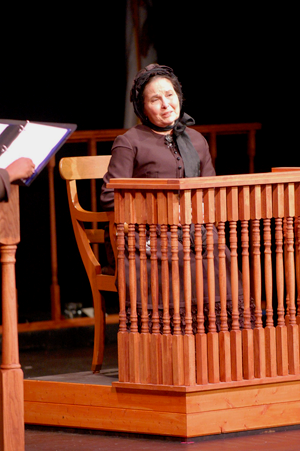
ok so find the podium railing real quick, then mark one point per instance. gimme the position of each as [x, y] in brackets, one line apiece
[257, 215]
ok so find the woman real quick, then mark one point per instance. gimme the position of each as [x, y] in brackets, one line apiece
[164, 147]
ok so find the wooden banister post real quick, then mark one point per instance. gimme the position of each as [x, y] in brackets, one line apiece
[55, 288]
[12, 435]
[251, 150]
[92, 151]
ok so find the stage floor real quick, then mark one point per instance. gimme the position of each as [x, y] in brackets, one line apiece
[49, 440]
[60, 352]
[70, 365]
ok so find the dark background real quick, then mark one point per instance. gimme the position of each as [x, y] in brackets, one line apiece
[236, 64]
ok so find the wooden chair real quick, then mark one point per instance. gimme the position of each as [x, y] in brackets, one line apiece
[73, 169]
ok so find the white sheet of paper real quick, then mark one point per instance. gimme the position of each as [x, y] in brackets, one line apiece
[36, 141]
[3, 127]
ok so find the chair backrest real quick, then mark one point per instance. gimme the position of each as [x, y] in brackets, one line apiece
[82, 168]
[73, 169]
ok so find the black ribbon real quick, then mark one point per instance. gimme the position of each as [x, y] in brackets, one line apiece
[185, 146]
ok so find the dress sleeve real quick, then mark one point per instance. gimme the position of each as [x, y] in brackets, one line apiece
[121, 166]
[4, 185]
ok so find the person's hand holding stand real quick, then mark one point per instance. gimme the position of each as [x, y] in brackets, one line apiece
[22, 168]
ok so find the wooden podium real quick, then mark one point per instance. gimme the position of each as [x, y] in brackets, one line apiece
[12, 437]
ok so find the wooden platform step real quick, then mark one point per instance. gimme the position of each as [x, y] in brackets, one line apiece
[162, 412]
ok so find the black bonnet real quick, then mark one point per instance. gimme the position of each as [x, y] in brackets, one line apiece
[141, 80]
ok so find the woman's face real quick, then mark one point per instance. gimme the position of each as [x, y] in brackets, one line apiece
[161, 103]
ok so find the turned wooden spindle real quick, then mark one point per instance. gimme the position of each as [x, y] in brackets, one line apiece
[201, 337]
[122, 333]
[188, 339]
[224, 334]
[167, 373]
[297, 241]
[212, 336]
[235, 333]
[178, 370]
[270, 333]
[293, 328]
[259, 338]
[156, 365]
[134, 367]
[143, 278]
[281, 330]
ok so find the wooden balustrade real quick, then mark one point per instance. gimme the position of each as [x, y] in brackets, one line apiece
[91, 138]
[258, 216]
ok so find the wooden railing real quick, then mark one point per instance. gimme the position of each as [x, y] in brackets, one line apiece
[261, 213]
[91, 138]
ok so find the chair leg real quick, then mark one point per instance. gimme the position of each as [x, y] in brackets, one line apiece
[99, 331]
